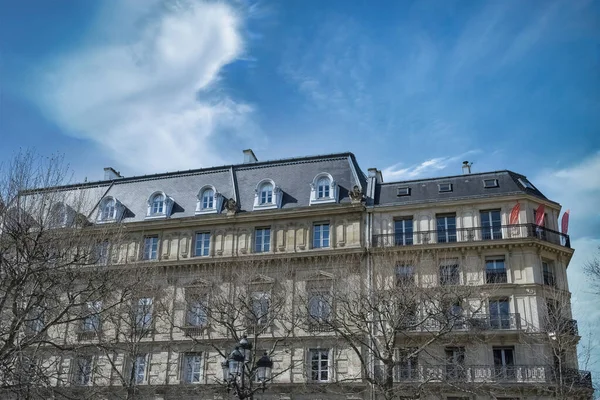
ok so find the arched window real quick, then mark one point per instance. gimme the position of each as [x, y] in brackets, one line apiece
[323, 185]
[108, 210]
[208, 199]
[266, 193]
[158, 204]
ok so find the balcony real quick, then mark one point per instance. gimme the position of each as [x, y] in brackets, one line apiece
[474, 323]
[476, 234]
[460, 373]
[495, 276]
[561, 326]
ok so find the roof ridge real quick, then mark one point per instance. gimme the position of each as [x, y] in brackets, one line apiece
[448, 177]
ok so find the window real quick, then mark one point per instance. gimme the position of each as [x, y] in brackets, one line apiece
[266, 193]
[495, 271]
[446, 228]
[196, 314]
[102, 252]
[455, 363]
[490, 183]
[82, 371]
[319, 365]
[504, 363]
[445, 187]
[107, 209]
[491, 225]
[499, 314]
[262, 240]
[525, 183]
[37, 320]
[192, 368]
[405, 275]
[320, 236]
[403, 191]
[143, 313]
[202, 246]
[261, 302]
[407, 367]
[91, 321]
[158, 204]
[454, 311]
[319, 306]
[150, 248]
[139, 368]
[403, 232]
[208, 199]
[449, 273]
[548, 273]
[323, 186]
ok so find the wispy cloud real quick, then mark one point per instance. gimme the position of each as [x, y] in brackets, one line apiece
[150, 93]
[427, 168]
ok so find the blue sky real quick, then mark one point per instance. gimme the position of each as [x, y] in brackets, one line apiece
[411, 87]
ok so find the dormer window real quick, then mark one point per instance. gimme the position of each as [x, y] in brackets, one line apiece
[267, 195]
[159, 205]
[526, 184]
[490, 183]
[323, 189]
[210, 201]
[444, 187]
[110, 210]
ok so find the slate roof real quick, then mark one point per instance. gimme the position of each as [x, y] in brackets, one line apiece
[463, 187]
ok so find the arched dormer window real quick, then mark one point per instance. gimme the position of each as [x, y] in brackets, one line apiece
[210, 201]
[267, 195]
[110, 210]
[323, 189]
[159, 205]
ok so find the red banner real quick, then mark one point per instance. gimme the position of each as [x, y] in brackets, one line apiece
[565, 222]
[539, 215]
[514, 215]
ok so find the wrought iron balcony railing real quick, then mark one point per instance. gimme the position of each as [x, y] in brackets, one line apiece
[476, 234]
[477, 322]
[495, 276]
[461, 373]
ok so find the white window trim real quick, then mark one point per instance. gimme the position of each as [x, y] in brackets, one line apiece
[333, 190]
[217, 201]
[183, 366]
[276, 199]
[117, 214]
[330, 364]
[167, 207]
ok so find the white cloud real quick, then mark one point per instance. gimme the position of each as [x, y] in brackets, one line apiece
[152, 100]
[426, 168]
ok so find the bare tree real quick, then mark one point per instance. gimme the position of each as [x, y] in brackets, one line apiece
[592, 270]
[51, 270]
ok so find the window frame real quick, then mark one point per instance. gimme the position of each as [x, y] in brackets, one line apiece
[320, 370]
[451, 278]
[548, 275]
[82, 375]
[403, 191]
[490, 183]
[499, 315]
[449, 233]
[404, 279]
[91, 322]
[261, 314]
[495, 271]
[144, 313]
[404, 236]
[491, 228]
[185, 365]
[442, 188]
[262, 246]
[320, 241]
[150, 252]
[143, 372]
[205, 247]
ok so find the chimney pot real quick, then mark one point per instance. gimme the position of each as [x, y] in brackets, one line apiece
[249, 157]
[466, 167]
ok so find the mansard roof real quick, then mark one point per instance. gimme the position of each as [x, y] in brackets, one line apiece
[467, 186]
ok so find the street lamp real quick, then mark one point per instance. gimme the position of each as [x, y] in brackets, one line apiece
[238, 370]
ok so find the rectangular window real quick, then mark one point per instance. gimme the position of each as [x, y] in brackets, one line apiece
[262, 240]
[196, 313]
[139, 368]
[446, 228]
[491, 225]
[405, 275]
[403, 232]
[36, 321]
[455, 313]
[449, 273]
[455, 363]
[495, 270]
[102, 252]
[143, 313]
[407, 367]
[490, 183]
[403, 191]
[320, 236]
[261, 302]
[548, 273]
[82, 371]
[192, 368]
[319, 306]
[202, 246]
[150, 248]
[91, 320]
[499, 314]
[445, 187]
[319, 365]
[525, 183]
[504, 363]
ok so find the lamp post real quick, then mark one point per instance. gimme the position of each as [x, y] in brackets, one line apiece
[239, 370]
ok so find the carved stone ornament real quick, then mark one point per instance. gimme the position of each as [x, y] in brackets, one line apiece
[231, 206]
[356, 194]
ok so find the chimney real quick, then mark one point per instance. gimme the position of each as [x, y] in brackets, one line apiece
[466, 168]
[249, 157]
[110, 173]
[375, 173]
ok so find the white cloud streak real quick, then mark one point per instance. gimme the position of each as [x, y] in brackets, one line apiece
[426, 168]
[152, 101]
